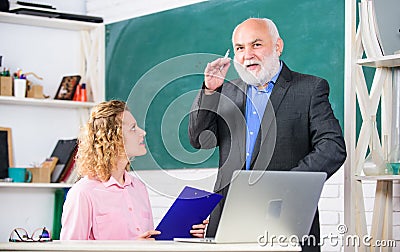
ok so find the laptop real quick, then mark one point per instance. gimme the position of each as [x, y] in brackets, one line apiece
[262, 206]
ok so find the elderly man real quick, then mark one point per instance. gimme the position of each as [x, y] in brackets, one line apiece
[271, 118]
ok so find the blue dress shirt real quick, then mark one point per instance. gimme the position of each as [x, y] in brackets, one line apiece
[256, 103]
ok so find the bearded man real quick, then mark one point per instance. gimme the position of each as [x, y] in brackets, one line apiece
[271, 118]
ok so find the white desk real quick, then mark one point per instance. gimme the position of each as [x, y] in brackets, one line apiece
[147, 246]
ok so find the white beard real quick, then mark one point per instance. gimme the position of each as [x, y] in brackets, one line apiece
[269, 67]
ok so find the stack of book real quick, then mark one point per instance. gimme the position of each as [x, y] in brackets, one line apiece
[65, 171]
[46, 10]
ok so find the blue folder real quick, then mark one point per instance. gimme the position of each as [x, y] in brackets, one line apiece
[191, 207]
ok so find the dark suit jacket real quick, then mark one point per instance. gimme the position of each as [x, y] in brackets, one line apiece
[298, 132]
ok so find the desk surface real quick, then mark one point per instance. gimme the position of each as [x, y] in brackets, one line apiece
[147, 246]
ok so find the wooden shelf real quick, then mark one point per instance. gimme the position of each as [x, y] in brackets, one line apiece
[384, 61]
[11, 100]
[378, 178]
[47, 22]
[34, 185]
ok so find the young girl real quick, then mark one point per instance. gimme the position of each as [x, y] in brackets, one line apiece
[108, 203]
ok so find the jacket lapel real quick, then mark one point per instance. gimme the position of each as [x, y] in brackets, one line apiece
[241, 122]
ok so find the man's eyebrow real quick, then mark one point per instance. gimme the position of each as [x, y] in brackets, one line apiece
[256, 40]
[252, 42]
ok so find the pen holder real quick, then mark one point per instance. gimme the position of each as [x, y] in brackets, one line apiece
[19, 87]
[6, 86]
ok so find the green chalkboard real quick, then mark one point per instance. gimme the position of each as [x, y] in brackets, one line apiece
[155, 63]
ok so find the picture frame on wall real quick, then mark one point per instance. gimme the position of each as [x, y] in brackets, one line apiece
[67, 88]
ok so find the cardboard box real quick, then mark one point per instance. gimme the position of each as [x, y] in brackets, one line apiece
[40, 174]
[6, 86]
[43, 174]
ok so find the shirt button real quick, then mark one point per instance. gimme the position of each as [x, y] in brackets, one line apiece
[254, 112]
[251, 132]
[130, 209]
[137, 229]
[247, 154]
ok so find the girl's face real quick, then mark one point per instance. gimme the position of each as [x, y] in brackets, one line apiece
[133, 136]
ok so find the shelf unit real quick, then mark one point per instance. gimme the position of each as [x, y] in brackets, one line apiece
[368, 102]
[52, 48]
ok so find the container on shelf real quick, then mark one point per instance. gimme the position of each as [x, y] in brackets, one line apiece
[375, 163]
[394, 160]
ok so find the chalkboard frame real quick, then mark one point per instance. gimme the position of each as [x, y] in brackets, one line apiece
[8, 146]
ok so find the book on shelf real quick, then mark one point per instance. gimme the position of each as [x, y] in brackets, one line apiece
[47, 10]
[68, 168]
[65, 150]
[73, 177]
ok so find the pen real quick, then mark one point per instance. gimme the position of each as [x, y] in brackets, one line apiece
[225, 57]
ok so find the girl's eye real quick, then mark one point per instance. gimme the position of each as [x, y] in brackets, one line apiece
[133, 128]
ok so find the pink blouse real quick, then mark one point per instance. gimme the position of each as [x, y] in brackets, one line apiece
[94, 210]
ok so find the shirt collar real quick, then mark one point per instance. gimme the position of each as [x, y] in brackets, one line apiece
[273, 79]
[112, 181]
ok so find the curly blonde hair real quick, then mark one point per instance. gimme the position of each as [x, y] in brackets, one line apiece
[101, 141]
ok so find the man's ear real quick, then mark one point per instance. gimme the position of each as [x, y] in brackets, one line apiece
[279, 46]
